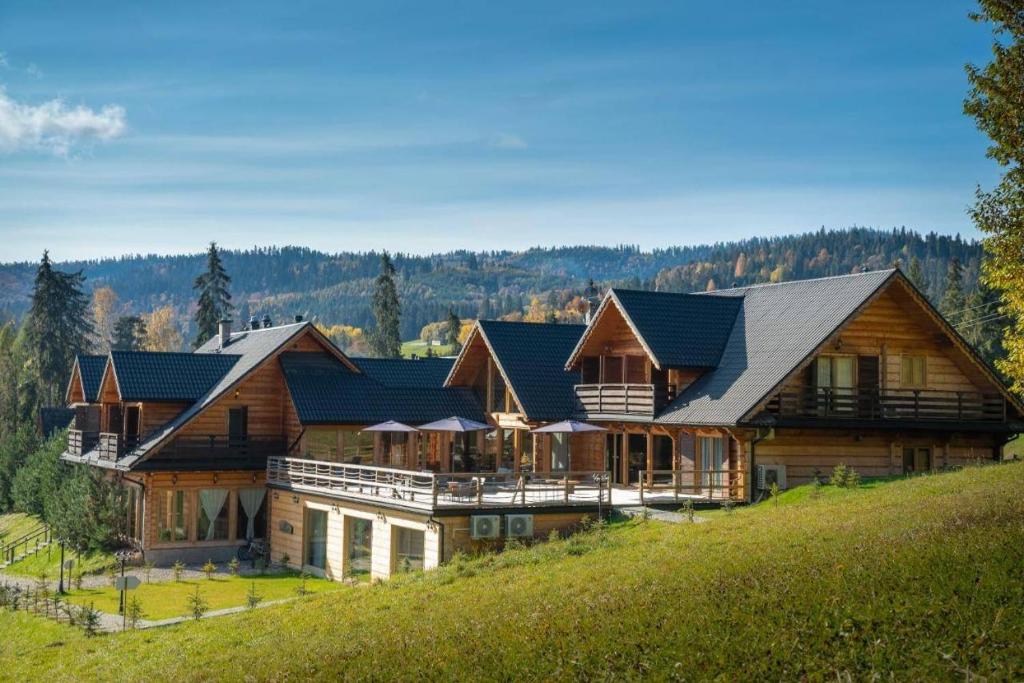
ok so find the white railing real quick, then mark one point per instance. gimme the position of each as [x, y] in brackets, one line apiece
[430, 490]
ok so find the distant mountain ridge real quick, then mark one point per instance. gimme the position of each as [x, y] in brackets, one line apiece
[335, 288]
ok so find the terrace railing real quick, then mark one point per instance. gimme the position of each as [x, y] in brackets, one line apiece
[724, 484]
[429, 490]
[888, 404]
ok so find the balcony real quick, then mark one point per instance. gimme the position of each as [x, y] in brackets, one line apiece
[81, 441]
[246, 452]
[888, 404]
[621, 400]
[112, 445]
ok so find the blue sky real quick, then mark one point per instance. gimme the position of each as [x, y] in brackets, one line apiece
[427, 126]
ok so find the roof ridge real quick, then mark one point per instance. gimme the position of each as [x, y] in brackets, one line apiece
[531, 322]
[888, 271]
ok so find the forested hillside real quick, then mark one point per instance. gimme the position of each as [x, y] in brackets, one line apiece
[335, 288]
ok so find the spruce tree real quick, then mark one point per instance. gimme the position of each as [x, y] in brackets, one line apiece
[953, 299]
[129, 334]
[916, 275]
[983, 325]
[452, 333]
[996, 101]
[214, 298]
[58, 327]
[386, 339]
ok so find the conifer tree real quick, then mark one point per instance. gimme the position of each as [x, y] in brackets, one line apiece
[59, 327]
[214, 298]
[452, 333]
[916, 275]
[129, 334]
[386, 340]
[953, 299]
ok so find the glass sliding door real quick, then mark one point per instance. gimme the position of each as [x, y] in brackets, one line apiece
[360, 545]
[711, 461]
[315, 532]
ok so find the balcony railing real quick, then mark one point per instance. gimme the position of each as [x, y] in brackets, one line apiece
[219, 446]
[888, 404]
[620, 399]
[81, 441]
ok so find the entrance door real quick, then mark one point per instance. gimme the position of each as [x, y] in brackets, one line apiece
[637, 456]
[315, 532]
[662, 457]
[917, 460]
[131, 426]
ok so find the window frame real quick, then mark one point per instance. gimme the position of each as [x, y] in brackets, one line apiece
[913, 356]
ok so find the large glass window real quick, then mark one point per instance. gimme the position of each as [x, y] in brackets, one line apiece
[357, 447]
[396, 449]
[525, 449]
[170, 520]
[251, 520]
[711, 460]
[212, 515]
[508, 450]
[360, 545]
[497, 391]
[408, 549]
[315, 536]
[321, 444]
[488, 460]
[559, 452]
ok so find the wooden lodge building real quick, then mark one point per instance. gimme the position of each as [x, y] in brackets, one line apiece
[351, 465]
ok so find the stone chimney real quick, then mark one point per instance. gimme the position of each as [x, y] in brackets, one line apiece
[224, 332]
[298, 318]
[593, 300]
[254, 323]
[266, 321]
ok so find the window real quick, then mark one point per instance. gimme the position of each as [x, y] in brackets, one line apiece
[612, 370]
[238, 424]
[508, 450]
[591, 370]
[711, 460]
[835, 378]
[408, 549]
[396, 448]
[315, 536]
[917, 460]
[212, 515]
[525, 449]
[914, 371]
[170, 521]
[488, 460]
[251, 520]
[497, 402]
[559, 452]
[636, 370]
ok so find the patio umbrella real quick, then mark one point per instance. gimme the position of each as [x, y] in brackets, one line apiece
[390, 426]
[568, 427]
[454, 424]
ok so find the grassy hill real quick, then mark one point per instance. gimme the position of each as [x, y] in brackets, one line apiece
[915, 579]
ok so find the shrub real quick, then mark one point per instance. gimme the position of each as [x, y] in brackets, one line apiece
[197, 605]
[252, 598]
[147, 570]
[233, 566]
[111, 572]
[178, 569]
[133, 612]
[301, 589]
[285, 560]
[89, 619]
[687, 510]
[77, 578]
[774, 493]
[209, 568]
[844, 477]
[728, 506]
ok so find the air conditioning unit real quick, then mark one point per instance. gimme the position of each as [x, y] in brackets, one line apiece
[770, 474]
[485, 526]
[519, 526]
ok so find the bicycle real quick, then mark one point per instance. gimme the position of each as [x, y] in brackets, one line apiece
[256, 549]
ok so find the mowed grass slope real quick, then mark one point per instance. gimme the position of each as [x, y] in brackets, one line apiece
[916, 579]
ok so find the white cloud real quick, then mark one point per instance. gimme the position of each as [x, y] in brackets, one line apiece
[508, 141]
[54, 126]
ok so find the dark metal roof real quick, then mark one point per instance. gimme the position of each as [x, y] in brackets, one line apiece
[324, 391]
[680, 330]
[90, 369]
[532, 358]
[777, 327]
[405, 372]
[161, 376]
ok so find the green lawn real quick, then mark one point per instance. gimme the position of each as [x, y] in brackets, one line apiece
[169, 599]
[420, 349]
[48, 561]
[915, 579]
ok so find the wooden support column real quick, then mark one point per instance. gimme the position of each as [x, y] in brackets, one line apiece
[650, 457]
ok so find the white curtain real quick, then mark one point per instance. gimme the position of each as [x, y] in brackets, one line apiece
[251, 500]
[212, 501]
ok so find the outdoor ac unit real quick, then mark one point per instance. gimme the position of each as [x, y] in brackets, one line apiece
[519, 526]
[770, 474]
[485, 526]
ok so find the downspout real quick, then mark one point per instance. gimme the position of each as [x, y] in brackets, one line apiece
[760, 435]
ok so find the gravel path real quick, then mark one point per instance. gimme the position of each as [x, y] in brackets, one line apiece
[157, 575]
